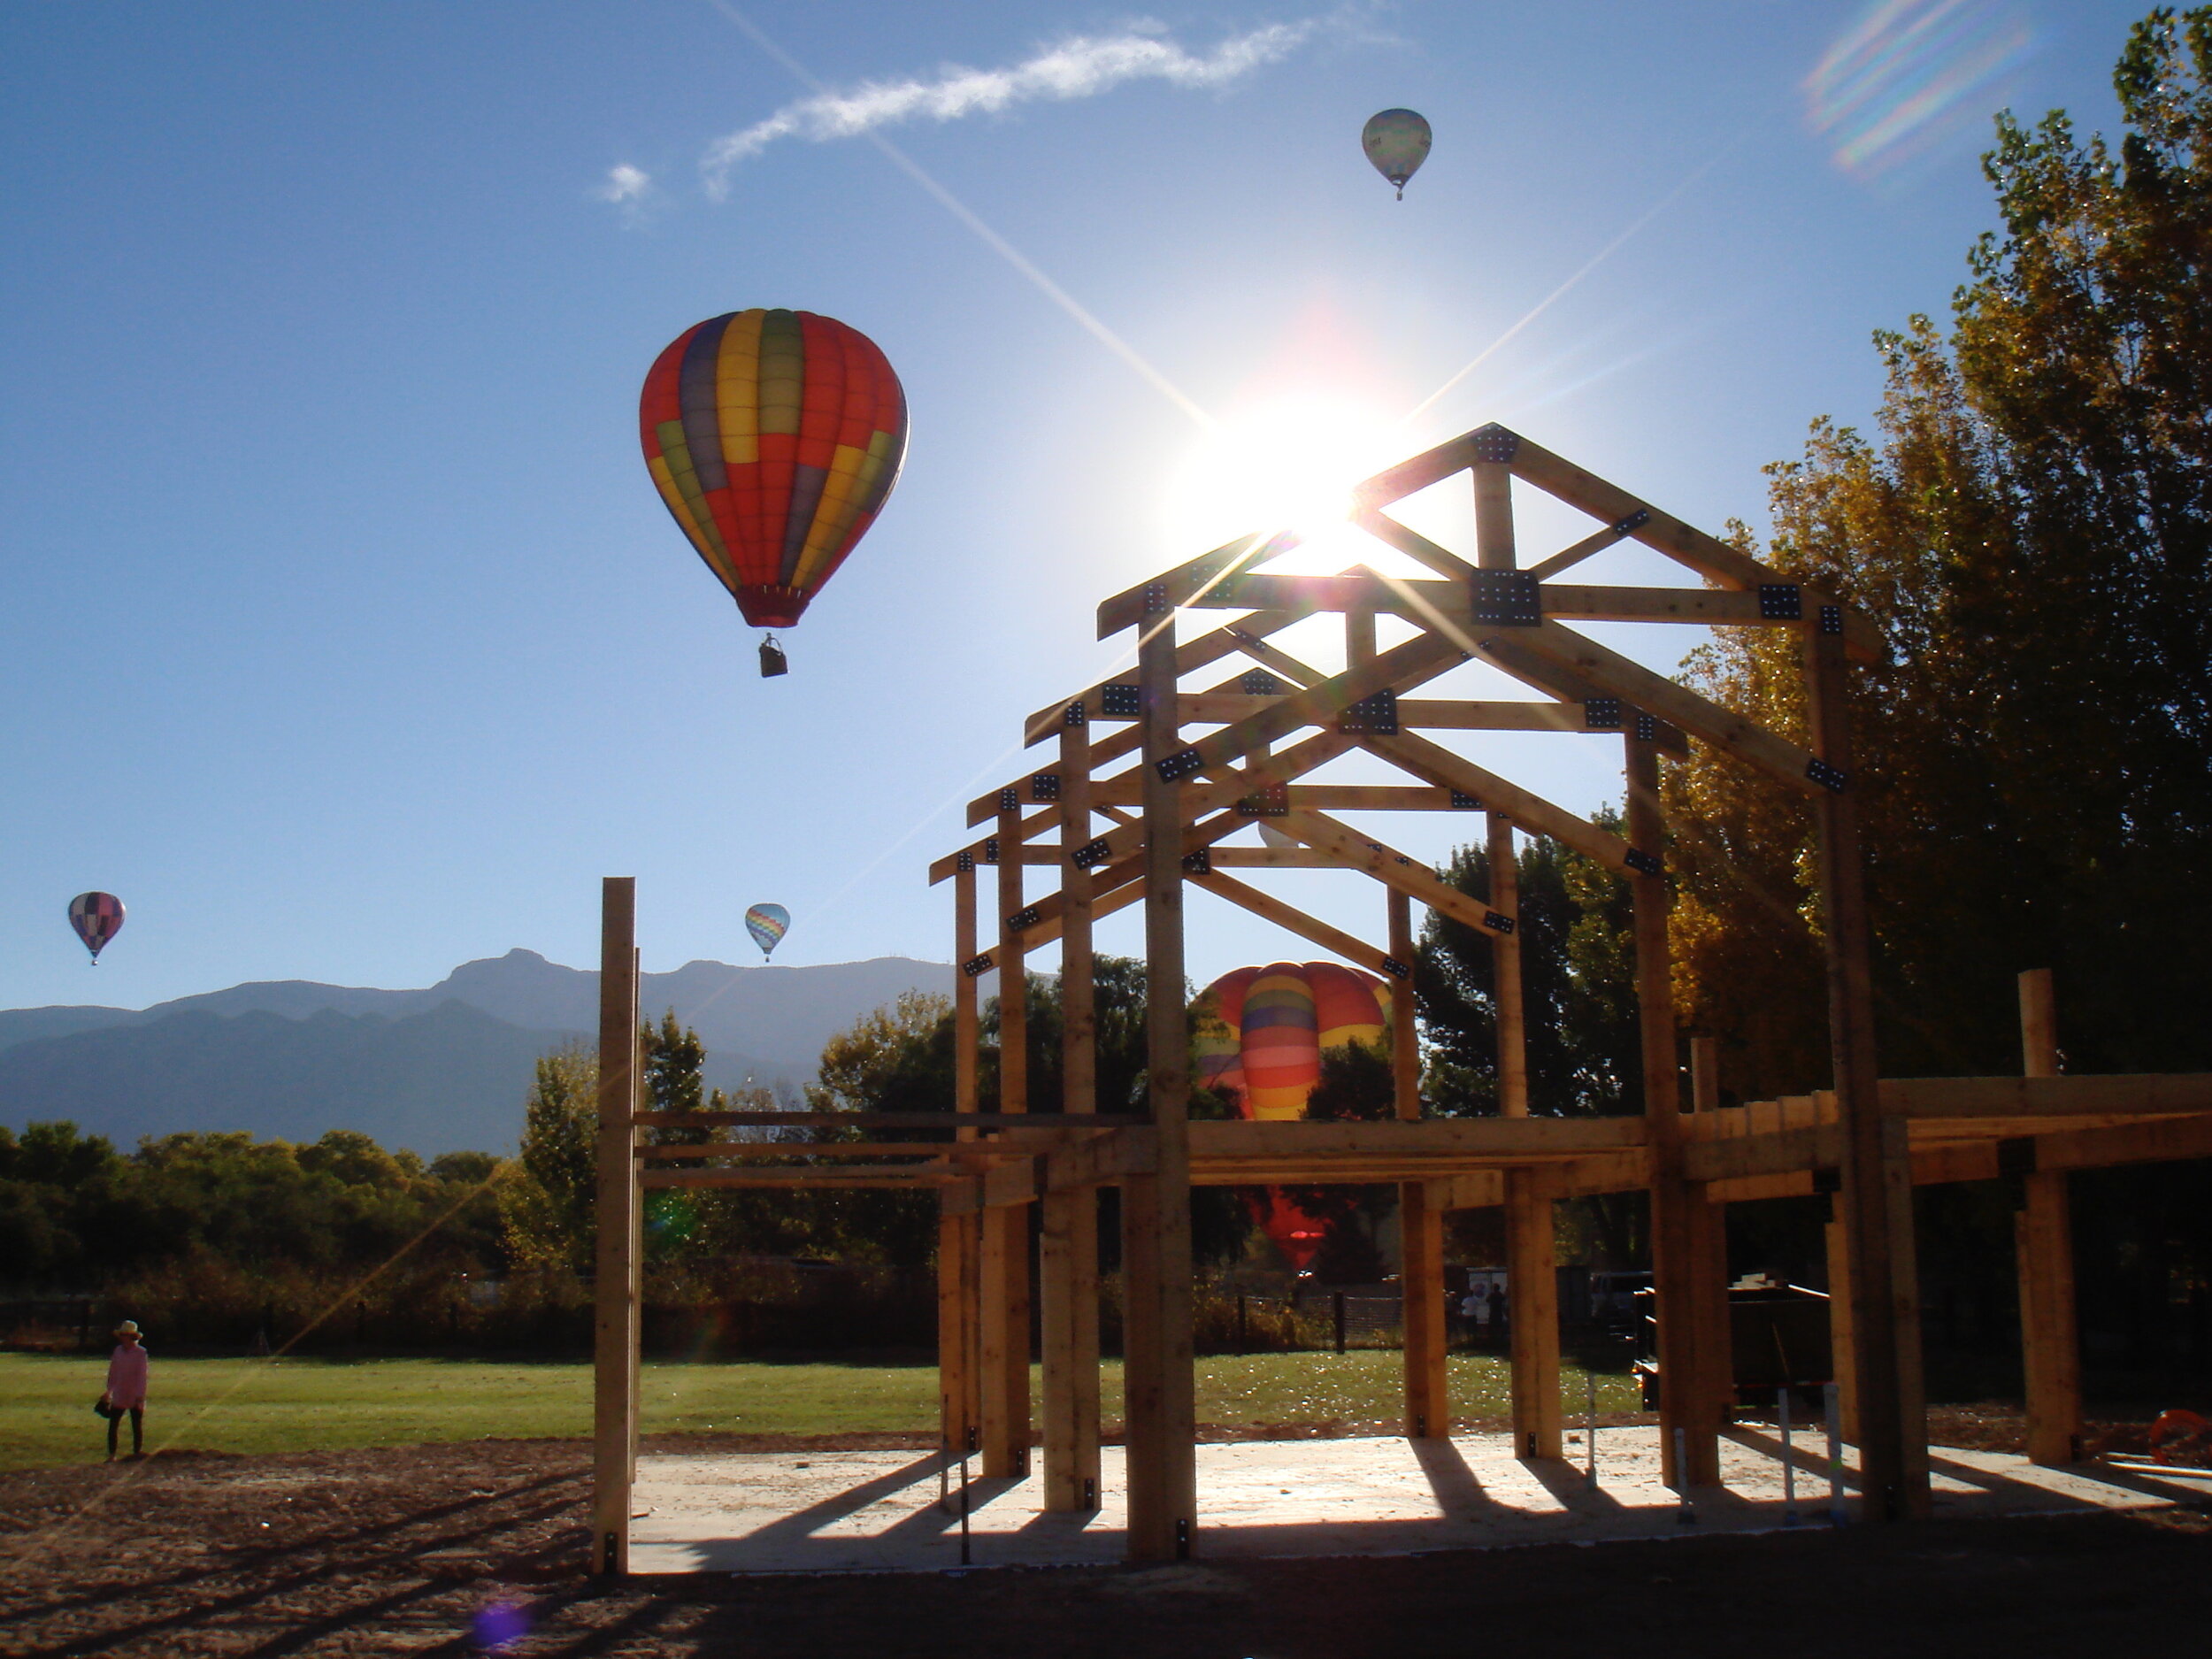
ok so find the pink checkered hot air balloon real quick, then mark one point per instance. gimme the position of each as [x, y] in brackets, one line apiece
[1261, 1033]
[97, 918]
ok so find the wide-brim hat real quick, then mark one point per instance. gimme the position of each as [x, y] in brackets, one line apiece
[129, 1327]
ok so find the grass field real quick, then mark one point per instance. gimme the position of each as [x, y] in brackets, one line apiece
[239, 1405]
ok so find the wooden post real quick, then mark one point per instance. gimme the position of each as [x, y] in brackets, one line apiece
[1494, 515]
[1704, 1074]
[1681, 1219]
[957, 1250]
[1155, 1208]
[2050, 1340]
[615, 1310]
[1420, 1211]
[1005, 1269]
[1715, 1340]
[1505, 957]
[1876, 1157]
[1531, 1260]
[959, 1387]
[1068, 1250]
[1532, 1265]
[1842, 1346]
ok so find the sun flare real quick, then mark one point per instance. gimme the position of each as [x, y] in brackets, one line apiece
[1288, 464]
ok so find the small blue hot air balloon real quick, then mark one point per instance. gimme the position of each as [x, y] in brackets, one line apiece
[1397, 142]
[97, 918]
[767, 924]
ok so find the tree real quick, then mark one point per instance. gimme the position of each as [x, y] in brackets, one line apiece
[547, 1207]
[2032, 527]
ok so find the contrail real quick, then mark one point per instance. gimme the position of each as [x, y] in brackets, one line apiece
[1080, 67]
[1080, 314]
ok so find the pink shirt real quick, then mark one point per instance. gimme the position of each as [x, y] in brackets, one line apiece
[126, 1376]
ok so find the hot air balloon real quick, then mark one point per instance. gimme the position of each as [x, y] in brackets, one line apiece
[97, 918]
[773, 436]
[767, 924]
[1397, 142]
[1261, 1033]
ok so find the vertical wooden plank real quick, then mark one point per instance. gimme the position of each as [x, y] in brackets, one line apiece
[956, 1331]
[1843, 1346]
[1877, 1157]
[965, 1273]
[1421, 1234]
[1005, 1276]
[1068, 1247]
[1494, 515]
[1505, 957]
[1155, 1208]
[615, 1314]
[637, 1211]
[1532, 1265]
[2050, 1338]
[1704, 1074]
[1682, 1247]
[1420, 1211]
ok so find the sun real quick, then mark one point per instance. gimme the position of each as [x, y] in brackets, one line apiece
[1287, 464]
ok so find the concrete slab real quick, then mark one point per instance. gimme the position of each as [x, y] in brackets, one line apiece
[882, 1511]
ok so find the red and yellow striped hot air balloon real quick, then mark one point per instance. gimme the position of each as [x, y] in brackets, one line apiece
[774, 437]
[1259, 1036]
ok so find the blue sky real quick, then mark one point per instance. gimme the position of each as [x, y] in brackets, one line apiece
[343, 634]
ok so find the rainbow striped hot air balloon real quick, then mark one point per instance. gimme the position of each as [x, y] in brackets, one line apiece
[767, 924]
[773, 437]
[1261, 1033]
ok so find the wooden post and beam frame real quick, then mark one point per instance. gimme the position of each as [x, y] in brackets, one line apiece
[1155, 1252]
[1877, 1176]
[1068, 1243]
[2050, 1340]
[616, 1265]
[1504, 614]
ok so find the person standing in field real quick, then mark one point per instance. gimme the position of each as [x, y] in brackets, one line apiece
[127, 1388]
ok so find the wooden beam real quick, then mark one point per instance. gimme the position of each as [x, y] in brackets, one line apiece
[1269, 907]
[618, 1259]
[1420, 658]
[1565, 601]
[1708, 556]
[1724, 729]
[1437, 713]
[2117, 1094]
[1154, 602]
[962, 1119]
[1506, 1140]
[1394, 868]
[1410, 477]
[1190, 656]
[1005, 1265]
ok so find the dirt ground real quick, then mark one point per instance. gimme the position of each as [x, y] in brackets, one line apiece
[465, 1548]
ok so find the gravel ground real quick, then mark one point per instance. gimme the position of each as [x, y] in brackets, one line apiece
[461, 1548]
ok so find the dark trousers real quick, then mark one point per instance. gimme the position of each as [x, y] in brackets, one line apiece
[138, 1430]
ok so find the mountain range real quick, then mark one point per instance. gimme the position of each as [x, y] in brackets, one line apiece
[439, 1069]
